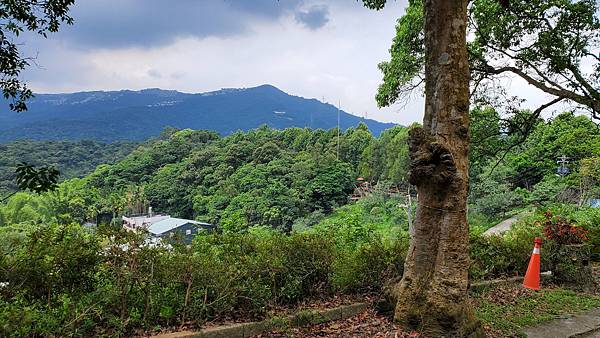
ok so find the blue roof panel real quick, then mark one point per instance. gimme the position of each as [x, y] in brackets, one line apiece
[169, 224]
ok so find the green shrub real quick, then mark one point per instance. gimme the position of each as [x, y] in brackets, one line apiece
[112, 283]
[590, 219]
[365, 268]
[479, 223]
[491, 256]
[509, 254]
[505, 255]
[501, 200]
[546, 191]
[61, 280]
[48, 261]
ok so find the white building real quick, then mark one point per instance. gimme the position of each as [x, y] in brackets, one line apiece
[138, 222]
[165, 226]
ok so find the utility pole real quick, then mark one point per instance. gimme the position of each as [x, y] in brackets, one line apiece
[338, 130]
[411, 229]
[409, 212]
[563, 170]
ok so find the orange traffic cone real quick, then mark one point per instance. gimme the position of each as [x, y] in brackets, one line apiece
[532, 276]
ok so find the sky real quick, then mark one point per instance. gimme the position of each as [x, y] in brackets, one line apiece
[328, 50]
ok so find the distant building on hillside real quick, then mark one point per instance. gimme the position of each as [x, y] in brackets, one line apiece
[143, 221]
[165, 226]
[172, 227]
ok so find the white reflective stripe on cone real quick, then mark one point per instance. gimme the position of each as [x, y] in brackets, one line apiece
[536, 251]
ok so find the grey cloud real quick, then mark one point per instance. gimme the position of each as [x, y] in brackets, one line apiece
[155, 74]
[315, 17]
[177, 75]
[149, 23]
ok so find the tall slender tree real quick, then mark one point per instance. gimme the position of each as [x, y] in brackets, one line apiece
[551, 45]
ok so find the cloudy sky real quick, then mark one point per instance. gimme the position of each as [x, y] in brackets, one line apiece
[327, 50]
[324, 49]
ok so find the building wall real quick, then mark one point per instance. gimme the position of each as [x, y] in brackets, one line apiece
[181, 232]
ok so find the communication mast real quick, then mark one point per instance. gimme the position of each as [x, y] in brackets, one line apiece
[563, 170]
[338, 130]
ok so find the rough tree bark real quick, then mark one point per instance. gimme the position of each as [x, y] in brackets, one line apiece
[432, 295]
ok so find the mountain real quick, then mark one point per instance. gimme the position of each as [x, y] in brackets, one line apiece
[137, 115]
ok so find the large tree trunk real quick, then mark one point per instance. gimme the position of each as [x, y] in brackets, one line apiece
[432, 296]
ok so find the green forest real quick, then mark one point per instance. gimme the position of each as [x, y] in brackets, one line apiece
[71, 158]
[251, 215]
[274, 177]
[285, 220]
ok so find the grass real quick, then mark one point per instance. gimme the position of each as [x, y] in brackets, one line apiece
[505, 311]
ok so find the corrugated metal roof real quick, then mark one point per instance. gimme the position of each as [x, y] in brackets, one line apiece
[139, 221]
[169, 224]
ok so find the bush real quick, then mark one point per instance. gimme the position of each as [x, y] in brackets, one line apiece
[509, 254]
[491, 256]
[586, 217]
[63, 281]
[506, 255]
[499, 201]
[479, 223]
[547, 190]
[365, 269]
[49, 261]
[111, 283]
[589, 218]
[562, 230]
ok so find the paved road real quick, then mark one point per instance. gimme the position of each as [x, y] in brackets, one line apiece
[504, 225]
[586, 324]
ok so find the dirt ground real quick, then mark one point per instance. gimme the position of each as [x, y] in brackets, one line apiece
[369, 323]
[366, 324]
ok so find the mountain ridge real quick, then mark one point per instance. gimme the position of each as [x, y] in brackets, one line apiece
[128, 115]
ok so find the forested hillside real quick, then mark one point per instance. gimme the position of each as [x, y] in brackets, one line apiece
[297, 181]
[263, 177]
[71, 158]
[138, 115]
[274, 177]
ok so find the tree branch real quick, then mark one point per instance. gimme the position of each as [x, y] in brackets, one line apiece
[577, 74]
[4, 199]
[593, 104]
[526, 131]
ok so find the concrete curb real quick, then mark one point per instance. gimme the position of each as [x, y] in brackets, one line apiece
[307, 317]
[478, 286]
[585, 324]
[300, 318]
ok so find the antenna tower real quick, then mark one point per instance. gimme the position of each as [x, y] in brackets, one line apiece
[338, 130]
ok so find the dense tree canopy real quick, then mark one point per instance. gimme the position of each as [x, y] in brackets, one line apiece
[552, 45]
[527, 173]
[274, 177]
[70, 158]
[263, 177]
